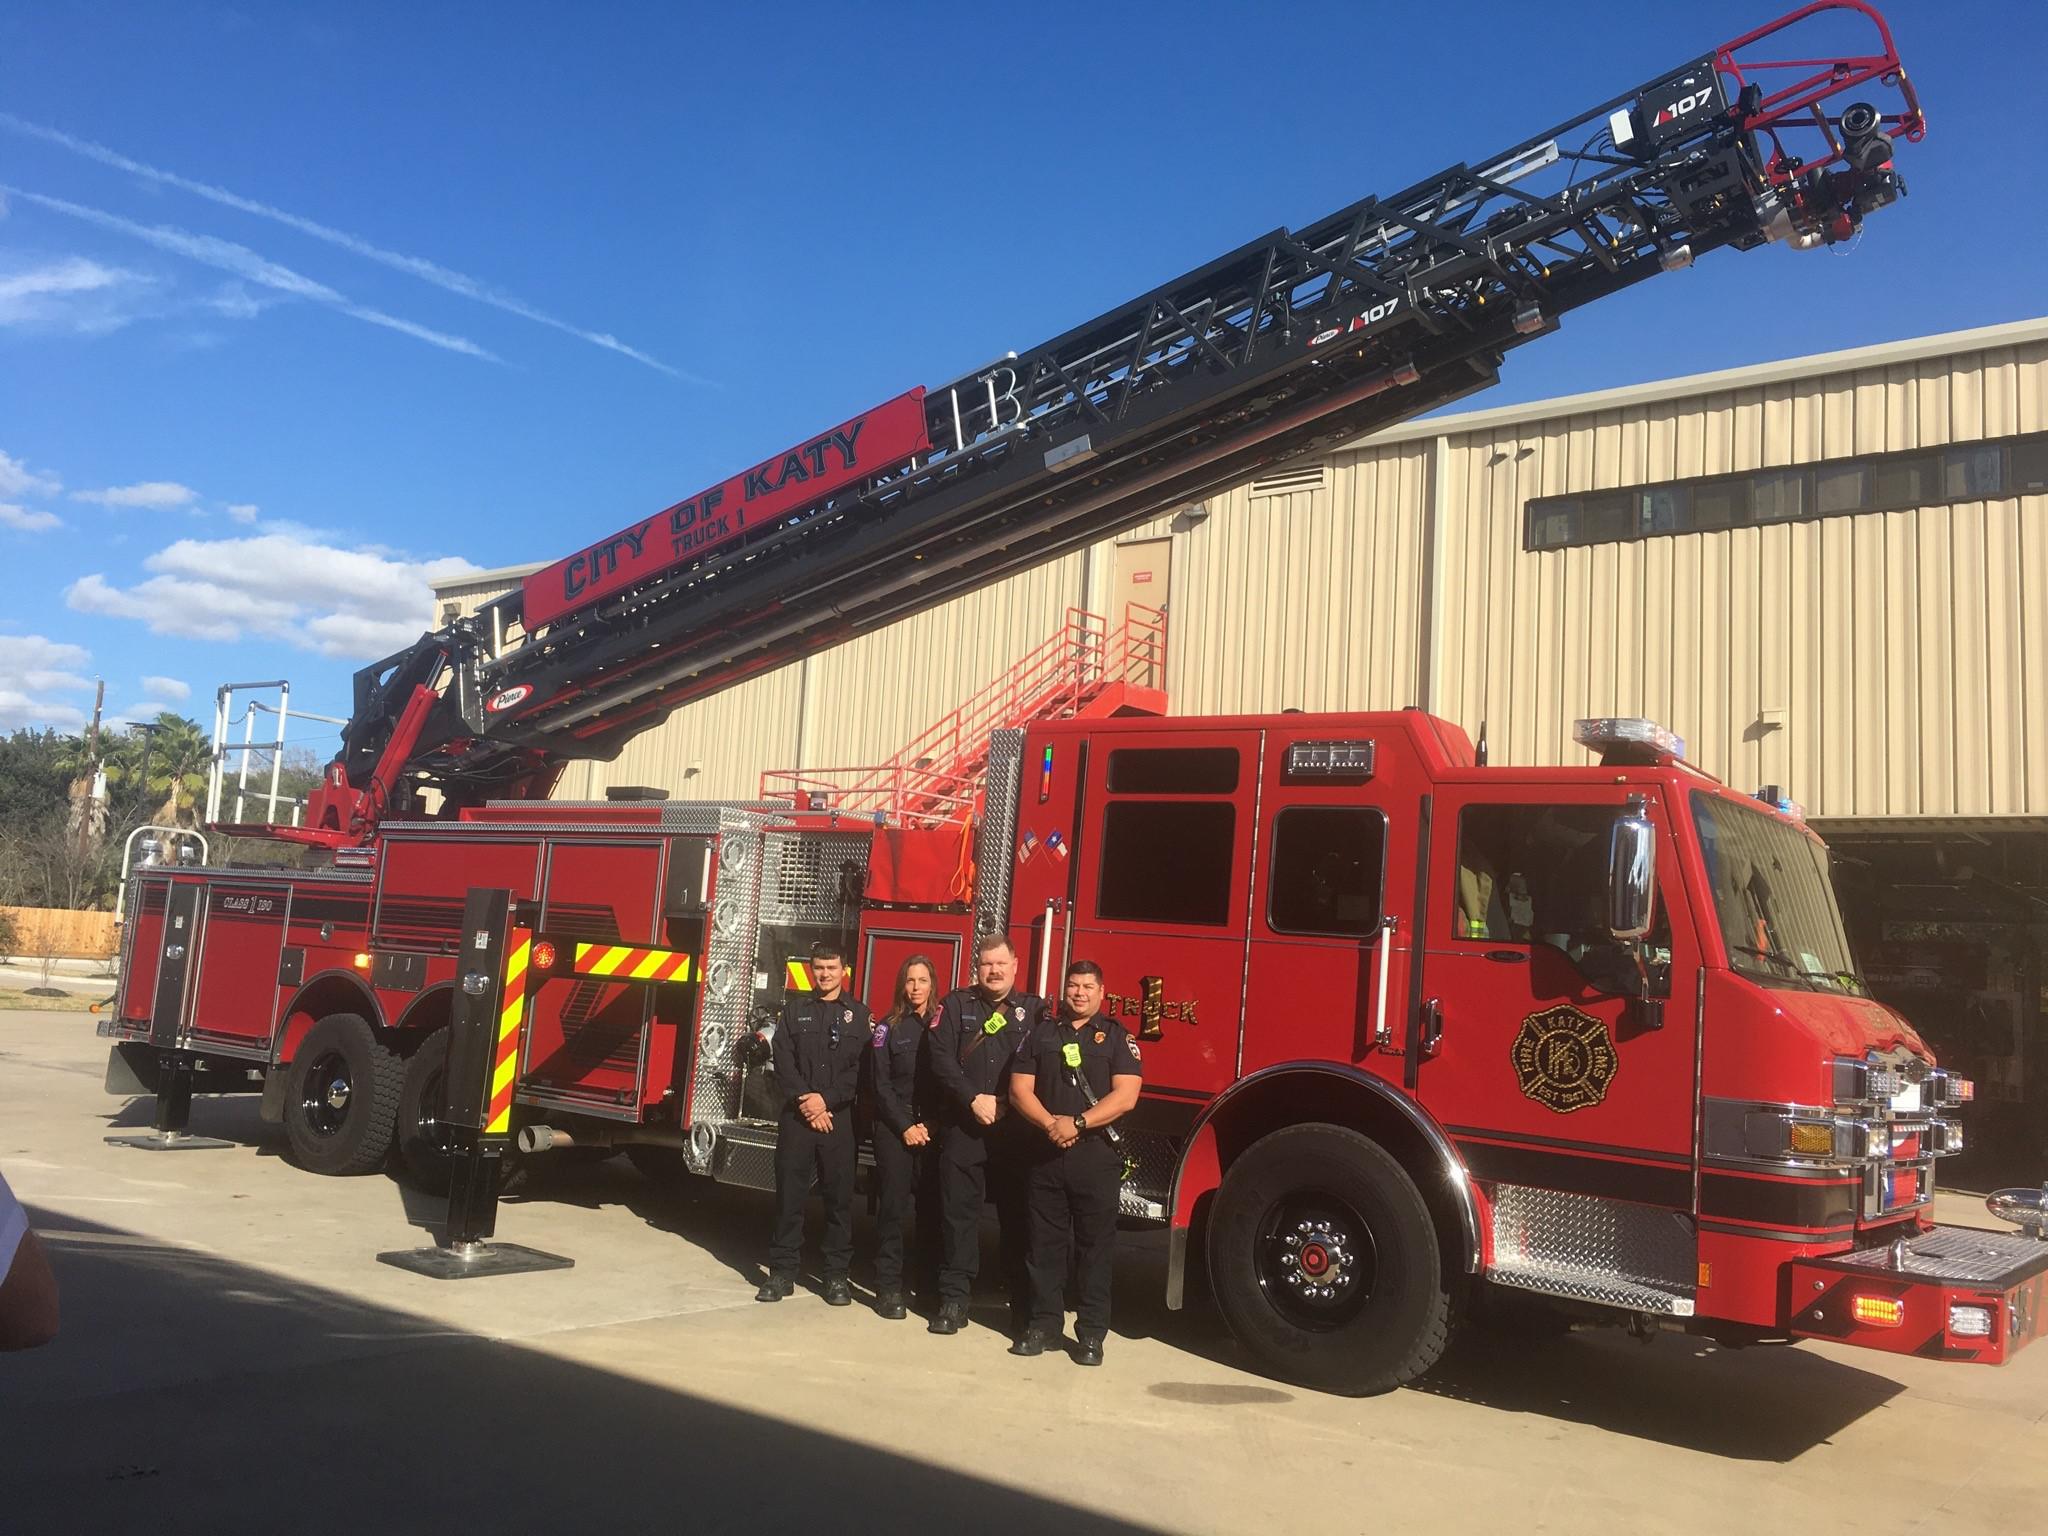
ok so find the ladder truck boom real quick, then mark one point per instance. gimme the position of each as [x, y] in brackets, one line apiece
[1292, 343]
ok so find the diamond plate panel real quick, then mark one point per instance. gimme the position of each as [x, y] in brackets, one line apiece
[1608, 1251]
[994, 845]
[1145, 1186]
[800, 875]
[1955, 1253]
[728, 986]
[747, 1163]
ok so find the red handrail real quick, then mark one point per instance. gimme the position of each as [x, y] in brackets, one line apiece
[936, 777]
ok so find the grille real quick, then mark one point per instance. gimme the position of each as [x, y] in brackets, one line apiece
[802, 876]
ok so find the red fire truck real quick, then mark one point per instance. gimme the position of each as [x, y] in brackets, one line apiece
[1415, 1025]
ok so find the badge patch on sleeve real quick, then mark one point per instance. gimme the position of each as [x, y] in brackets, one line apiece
[1564, 1059]
[878, 1032]
[1131, 1045]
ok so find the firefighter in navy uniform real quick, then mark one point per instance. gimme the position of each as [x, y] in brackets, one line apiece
[1079, 1073]
[818, 1048]
[899, 1070]
[981, 1151]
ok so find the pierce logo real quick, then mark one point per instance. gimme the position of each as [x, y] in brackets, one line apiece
[506, 698]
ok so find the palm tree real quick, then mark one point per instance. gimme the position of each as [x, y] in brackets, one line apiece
[159, 764]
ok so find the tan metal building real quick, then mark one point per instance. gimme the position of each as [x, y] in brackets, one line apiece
[1828, 573]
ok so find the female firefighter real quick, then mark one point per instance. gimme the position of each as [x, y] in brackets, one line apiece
[899, 1078]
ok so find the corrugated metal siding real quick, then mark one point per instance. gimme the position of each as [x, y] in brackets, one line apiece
[1905, 651]
[1901, 648]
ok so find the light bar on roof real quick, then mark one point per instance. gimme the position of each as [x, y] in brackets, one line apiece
[1609, 732]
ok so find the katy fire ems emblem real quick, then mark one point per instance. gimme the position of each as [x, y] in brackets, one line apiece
[1564, 1059]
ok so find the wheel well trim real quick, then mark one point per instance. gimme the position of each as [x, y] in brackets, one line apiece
[1456, 1178]
[364, 995]
[428, 997]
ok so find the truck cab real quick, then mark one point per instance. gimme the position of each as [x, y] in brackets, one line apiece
[1604, 1021]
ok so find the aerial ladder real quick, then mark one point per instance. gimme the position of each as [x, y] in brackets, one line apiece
[1293, 343]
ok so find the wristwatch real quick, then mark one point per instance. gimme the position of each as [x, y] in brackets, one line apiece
[1080, 1122]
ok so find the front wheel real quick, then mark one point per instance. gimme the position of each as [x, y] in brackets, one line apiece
[341, 1097]
[1324, 1260]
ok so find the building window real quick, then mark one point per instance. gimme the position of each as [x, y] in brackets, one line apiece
[1167, 861]
[1886, 482]
[1329, 864]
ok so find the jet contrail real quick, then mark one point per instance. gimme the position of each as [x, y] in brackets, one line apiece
[413, 266]
[245, 263]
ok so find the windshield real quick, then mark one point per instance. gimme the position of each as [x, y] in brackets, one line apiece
[1774, 898]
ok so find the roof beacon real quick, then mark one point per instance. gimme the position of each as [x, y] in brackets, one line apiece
[1783, 804]
[1630, 743]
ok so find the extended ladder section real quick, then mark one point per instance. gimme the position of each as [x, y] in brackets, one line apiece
[1289, 345]
[1091, 667]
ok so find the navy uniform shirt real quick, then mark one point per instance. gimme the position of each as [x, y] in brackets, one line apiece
[818, 1049]
[900, 1070]
[1106, 1050]
[973, 1044]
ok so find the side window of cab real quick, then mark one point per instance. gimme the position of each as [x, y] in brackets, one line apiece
[1537, 874]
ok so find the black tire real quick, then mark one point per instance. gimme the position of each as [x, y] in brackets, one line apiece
[422, 1139]
[664, 1166]
[341, 1098]
[1325, 1263]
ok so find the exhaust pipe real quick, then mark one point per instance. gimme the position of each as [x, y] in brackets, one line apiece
[552, 1138]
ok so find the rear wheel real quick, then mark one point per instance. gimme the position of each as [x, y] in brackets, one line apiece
[341, 1097]
[422, 1138]
[1324, 1260]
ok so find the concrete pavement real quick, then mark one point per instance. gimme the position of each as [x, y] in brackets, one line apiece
[233, 1358]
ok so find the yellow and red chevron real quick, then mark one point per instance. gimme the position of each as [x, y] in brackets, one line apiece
[631, 962]
[511, 1015]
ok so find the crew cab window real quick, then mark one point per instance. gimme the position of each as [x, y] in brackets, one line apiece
[1537, 874]
[1167, 861]
[1328, 870]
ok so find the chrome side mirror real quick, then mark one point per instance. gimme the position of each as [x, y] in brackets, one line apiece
[2026, 1209]
[1631, 872]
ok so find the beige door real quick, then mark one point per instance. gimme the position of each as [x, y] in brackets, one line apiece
[1137, 592]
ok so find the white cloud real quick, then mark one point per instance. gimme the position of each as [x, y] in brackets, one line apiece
[243, 512]
[155, 495]
[166, 688]
[356, 603]
[17, 479]
[234, 300]
[71, 294]
[27, 521]
[413, 266]
[210, 250]
[35, 673]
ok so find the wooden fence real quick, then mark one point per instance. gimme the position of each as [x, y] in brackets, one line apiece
[40, 931]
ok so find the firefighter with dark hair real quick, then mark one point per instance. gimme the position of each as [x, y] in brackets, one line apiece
[818, 1047]
[899, 1074]
[981, 1151]
[1076, 1077]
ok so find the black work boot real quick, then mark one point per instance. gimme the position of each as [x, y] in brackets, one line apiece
[1030, 1342]
[1088, 1349]
[838, 1293]
[950, 1318]
[775, 1288]
[890, 1305]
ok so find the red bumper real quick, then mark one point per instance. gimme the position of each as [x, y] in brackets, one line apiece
[1954, 1293]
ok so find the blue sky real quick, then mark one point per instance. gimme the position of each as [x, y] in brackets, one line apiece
[301, 305]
